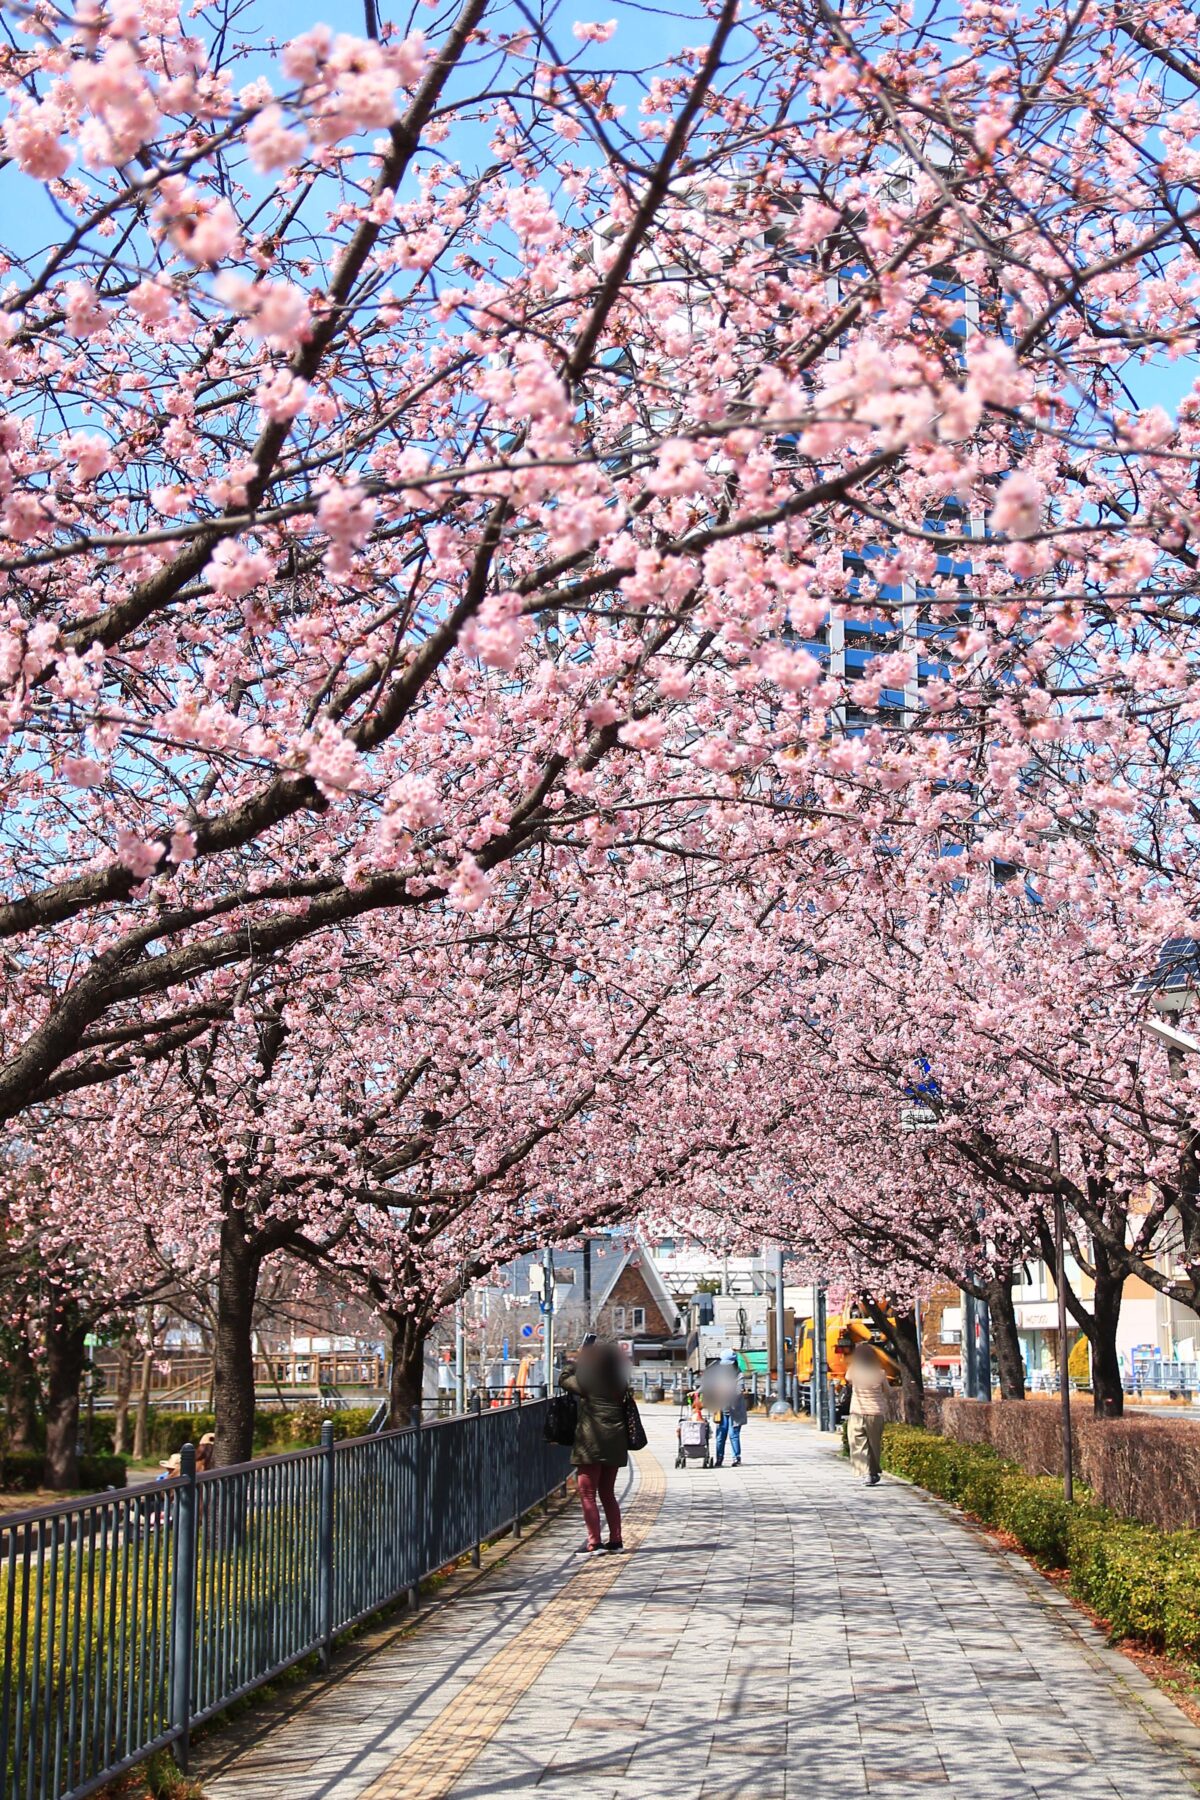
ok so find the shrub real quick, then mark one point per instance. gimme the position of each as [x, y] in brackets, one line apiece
[169, 1432]
[1147, 1469]
[1029, 1433]
[352, 1421]
[25, 1471]
[1032, 1509]
[273, 1430]
[936, 1463]
[305, 1423]
[967, 1420]
[22, 1471]
[1146, 1583]
[102, 1429]
[101, 1471]
[980, 1486]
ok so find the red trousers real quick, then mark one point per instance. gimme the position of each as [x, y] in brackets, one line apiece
[598, 1481]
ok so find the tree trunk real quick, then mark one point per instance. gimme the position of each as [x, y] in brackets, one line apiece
[21, 1396]
[1006, 1345]
[66, 1354]
[407, 1382]
[233, 1362]
[1108, 1394]
[908, 1355]
[141, 1423]
[121, 1398]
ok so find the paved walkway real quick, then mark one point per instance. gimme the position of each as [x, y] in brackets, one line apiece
[778, 1631]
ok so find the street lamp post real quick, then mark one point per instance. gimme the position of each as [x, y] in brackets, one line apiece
[818, 1398]
[460, 1357]
[780, 1409]
[548, 1317]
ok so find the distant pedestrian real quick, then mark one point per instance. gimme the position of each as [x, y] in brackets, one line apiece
[868, 1409]
[599, 1380]
[727, 1400]
[204, 1452]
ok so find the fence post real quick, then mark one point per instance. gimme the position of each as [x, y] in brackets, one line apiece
[477, 1434]
[325, 1543]
[183, 1609]
[517, 1466]
[414, 1592]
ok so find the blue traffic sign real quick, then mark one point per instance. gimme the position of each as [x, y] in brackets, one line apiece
[527, 1331]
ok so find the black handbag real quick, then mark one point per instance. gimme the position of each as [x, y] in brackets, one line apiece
[635, 1431]
[562, 1419]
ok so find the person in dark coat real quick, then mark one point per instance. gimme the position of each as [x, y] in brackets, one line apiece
[599, 1382]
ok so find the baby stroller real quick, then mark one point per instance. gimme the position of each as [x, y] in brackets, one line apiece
[693, 1434]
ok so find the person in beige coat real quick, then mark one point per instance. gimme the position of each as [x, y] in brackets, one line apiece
[868, 1409]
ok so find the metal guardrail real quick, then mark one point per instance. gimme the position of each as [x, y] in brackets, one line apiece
[129, 1617]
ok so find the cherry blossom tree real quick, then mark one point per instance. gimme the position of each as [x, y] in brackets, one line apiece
[414, 1110]
[412, 456]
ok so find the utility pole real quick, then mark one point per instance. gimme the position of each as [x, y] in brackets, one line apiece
[587, 1285]
[460, 1357]
[1060, 1283]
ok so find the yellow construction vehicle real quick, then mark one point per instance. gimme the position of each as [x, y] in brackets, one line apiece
[843, 1333]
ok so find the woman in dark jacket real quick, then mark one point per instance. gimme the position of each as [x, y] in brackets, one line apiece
[597, 1379]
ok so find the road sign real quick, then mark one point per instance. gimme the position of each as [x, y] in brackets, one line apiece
[527, 1331]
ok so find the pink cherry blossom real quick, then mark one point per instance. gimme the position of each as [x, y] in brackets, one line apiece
[33, 136]
[141, 856]
[1019, 506]
[236, 569]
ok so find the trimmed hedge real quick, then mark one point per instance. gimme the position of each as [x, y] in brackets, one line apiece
[24, 1471]
[1143, 1581]
[274, 1431]
[1142, 1468]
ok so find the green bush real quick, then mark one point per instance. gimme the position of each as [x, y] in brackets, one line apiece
[170, 1431]
[101, 1471]
[22, 1471]
[1145, 1582]
[939, 1464]
[1032, 1509]
[25, 1471]
[352, 1421]
[305, 1421]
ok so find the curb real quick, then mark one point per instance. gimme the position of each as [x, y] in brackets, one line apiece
[1167, 1725]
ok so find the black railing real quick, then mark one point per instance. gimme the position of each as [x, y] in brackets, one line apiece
[131, 1616]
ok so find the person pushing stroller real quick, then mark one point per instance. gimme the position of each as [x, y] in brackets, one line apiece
[725, 1398]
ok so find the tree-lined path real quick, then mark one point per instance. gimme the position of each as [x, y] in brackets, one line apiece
[778, 1631]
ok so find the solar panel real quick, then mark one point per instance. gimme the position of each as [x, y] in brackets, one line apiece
[1178, 968]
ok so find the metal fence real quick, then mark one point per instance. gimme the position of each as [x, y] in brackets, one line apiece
[129, 1617]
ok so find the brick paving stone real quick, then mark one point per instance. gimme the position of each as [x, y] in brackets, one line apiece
[778, 1633]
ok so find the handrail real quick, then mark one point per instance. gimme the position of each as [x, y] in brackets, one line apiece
[130, 1616]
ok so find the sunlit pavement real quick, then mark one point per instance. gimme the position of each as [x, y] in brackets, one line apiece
[777, 1631]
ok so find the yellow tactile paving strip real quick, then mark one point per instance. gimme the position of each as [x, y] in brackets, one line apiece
[429, 1767]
